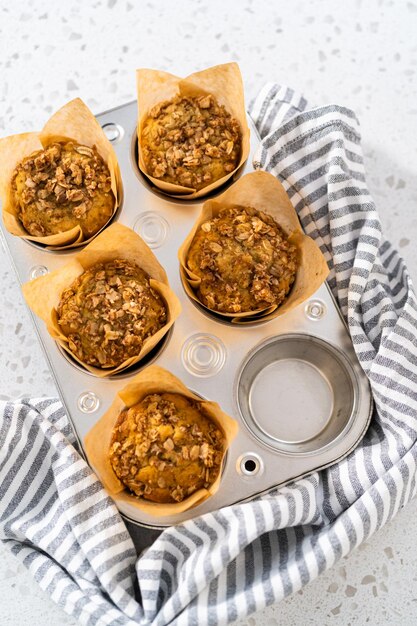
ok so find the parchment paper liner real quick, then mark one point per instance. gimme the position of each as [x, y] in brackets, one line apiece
[43, 294]
[74, 121]
[224, 82]
[264, 192]
[153, 379]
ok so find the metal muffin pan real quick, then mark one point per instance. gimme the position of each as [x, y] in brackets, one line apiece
[294, 383]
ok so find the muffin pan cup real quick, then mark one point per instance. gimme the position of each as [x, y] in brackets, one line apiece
[294, 383]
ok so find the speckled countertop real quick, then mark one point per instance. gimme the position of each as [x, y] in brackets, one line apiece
[360, 54]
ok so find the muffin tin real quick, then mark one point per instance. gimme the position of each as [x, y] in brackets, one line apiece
[294, 383]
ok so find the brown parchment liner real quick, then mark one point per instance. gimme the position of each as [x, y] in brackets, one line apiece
[72, 122]
[224, 82]
[153, 379]
[43, 294]
[261, 190]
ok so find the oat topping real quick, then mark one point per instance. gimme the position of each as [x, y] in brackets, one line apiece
[108, 312]
[165, 448]
[63, 186]
[244, 261]
[190, 141]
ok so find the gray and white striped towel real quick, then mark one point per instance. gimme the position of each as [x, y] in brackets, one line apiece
[58, 520]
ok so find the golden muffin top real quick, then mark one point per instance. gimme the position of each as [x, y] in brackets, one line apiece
[165, 448]
[108, 312]
[244, 260]
[191, 142]
[63, 186]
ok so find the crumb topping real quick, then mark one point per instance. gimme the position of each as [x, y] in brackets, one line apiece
[165, 448]
[108, 312]
[62, 186]
[190, 141]
[244, 260]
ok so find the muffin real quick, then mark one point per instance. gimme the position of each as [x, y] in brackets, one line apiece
[243, 260]
[165, 448]
[60, 187]
[190, 141]
[108, 312]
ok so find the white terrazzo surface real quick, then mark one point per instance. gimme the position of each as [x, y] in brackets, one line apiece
[360, 54]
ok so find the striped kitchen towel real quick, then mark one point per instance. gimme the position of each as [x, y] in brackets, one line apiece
[57, 519]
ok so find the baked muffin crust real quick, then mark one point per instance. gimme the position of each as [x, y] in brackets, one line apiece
[108, 312]
[190, 141]
[63, 186]
[165, 448]
[244, 261]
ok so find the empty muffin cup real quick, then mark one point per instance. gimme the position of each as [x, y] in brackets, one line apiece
[297, 393]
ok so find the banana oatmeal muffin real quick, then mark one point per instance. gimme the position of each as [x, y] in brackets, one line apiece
[244, 261]
[63, 186]
[165, 448]
[191, 142]
[108, 312]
